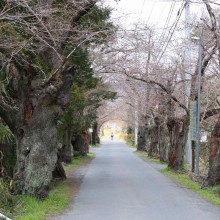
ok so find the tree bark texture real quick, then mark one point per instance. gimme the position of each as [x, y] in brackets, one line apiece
[155, 138]
[65, 152]
[59, 172]
[81, 143]
[214, 156]
[1, 164]
[7, 159]
[142, 142]
[37, 138]
[154, 141]
[163, 107]
[162, 143]
[178, 130]
[95, 136]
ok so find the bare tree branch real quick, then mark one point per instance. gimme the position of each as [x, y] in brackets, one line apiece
[162, 87]
[209, 113]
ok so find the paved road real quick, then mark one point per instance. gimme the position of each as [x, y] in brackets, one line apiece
[120, 186]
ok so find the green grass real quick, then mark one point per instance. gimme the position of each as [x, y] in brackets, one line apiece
[58, 199]
[145, 156]
[130, 144]
[77, 161]
[209, 193]
[212, 194]
[34, 209]
[94, 146]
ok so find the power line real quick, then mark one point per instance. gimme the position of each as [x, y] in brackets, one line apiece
[162, 36]
[171, 32]
[167, 20]
[152, 9]
[142, 6]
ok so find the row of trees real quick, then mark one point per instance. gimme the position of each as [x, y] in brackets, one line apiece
[49, 92]
[57, 61]
[154, 89]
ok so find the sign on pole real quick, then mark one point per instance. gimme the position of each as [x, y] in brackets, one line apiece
[193, 117]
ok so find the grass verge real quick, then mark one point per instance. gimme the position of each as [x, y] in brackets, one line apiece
[95, 146]
[145, 156]
[212, 194]
[130, 144]
[59, 197]
[209, 193]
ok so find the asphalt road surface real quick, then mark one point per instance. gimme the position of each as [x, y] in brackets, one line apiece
[118, 185]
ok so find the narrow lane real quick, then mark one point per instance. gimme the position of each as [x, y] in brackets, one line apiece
[118, 185]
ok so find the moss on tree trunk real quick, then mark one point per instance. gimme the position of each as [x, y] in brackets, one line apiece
[36, 153]
[214, 156]
[37, 138]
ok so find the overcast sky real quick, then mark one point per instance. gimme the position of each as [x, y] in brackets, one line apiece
[153, 12]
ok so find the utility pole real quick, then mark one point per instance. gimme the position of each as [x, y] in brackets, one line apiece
[187, 59]
[198, 105]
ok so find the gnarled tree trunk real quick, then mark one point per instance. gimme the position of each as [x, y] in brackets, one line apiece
[142, 142]
[214, 156]
[80, 143]
[7, 159]
[65, 152]
[153, 149]
[178, 130]
[37, 140]
[162, 115]
[95, 136]
[162, 143]
[154, 139]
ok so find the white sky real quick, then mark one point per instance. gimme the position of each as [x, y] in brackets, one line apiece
[152, 12]
[155, 13]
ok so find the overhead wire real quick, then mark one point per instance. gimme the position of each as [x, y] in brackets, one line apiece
[162, 36]
[151, 11]
[149, 17]
[196, 18]
[143, 2]
[171, 31]
[142, 6]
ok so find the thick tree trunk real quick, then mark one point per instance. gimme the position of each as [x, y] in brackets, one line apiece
[154, 139]
[154, 135]
[178, 130]
[65, 152]
[162, 115]
[36, 153]
[95, 136]
[1, 164]
[214, 156]
[59, 172]
[37, 140]
[80, 143]
[162, 144]
[142, 142]
[7, 159]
